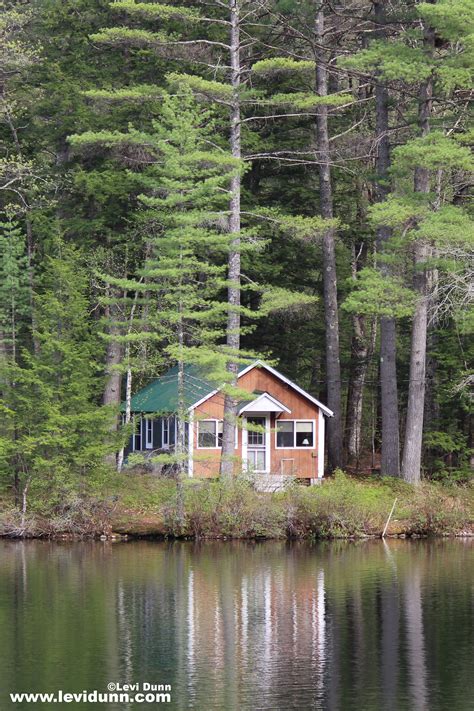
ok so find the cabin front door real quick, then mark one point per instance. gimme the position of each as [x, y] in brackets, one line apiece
[256, 443]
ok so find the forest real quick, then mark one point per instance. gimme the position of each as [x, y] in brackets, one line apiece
[212, 181]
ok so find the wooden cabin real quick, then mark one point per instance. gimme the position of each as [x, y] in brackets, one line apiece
[280, 430]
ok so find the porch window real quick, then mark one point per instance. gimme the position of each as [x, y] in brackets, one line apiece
[168, 431]
[291, 434]
[210, 434]
[148, 433]
[137, 437]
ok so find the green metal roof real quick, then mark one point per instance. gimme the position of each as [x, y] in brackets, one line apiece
[161, 395]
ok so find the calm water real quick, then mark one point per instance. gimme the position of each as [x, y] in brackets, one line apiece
[242, 626]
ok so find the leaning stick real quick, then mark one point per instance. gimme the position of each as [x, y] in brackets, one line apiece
[388, 520]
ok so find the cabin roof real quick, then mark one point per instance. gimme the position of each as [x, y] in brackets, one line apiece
[161, 394]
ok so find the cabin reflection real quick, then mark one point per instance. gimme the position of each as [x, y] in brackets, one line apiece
[242, 625]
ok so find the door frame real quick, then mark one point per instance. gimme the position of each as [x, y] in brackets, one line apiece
[266, 417]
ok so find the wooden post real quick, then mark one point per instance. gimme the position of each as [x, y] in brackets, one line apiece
[388, 520]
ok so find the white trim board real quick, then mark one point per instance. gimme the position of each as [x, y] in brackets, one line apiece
[265, 403]
[321, 425]
[261, 364]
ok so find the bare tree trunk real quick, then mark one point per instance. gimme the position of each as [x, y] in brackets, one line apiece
[411, 464]
[233, 295]
[390, 464]
[180, 445]
[128, 404]
[363, 334]
[113, 358]
[129, 377]
[24, 504]
[333, 366]
[355, 393]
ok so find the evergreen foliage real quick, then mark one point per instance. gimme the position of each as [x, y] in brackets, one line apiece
[115, 126]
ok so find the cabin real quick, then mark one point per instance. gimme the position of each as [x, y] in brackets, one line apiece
[280, 432]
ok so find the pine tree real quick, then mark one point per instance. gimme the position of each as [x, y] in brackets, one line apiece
[14, 288]
[58, 435]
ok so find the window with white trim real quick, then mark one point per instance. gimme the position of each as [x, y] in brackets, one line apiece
[165, 432]
[148, 433]
[137, 436]
[294, 434]
[210, 434]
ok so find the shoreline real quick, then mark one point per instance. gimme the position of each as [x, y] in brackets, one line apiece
[344, 508]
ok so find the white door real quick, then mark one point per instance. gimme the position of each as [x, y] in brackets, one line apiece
[256, 444]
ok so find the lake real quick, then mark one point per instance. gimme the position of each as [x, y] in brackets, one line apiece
[344, 625]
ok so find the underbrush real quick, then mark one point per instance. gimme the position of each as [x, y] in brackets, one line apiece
[342, 507]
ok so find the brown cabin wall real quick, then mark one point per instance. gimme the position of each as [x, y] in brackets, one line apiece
[207, 461]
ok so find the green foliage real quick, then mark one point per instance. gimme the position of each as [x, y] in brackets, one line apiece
[61, 436]
[142, 92]
[302, 101]
[374, 294]
[154, 10]
[282, 65]
[394, 61]
[453, 19]
[433, 152]
[276, 299]
[210, 89]
[14, 288]
[448, 226]
[129, 37]
[397, 212]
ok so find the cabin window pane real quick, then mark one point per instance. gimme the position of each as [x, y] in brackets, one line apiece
[285, 433]
[207, 433]
[149, 433]
[137, 437]
[256, 459]
[256, 439]
[304, 434]
[165, 432]
[220, 428]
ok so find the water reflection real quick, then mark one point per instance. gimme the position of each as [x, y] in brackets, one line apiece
[243, 626]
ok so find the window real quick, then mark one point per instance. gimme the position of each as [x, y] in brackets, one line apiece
[148, 433]
[255, 438]
[294, 433]
[285, 433]
[137, 437]
[210, 433]
[256, 459]
[304, 434]
[165, 432]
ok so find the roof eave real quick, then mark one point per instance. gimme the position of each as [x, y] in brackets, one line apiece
[260, 364]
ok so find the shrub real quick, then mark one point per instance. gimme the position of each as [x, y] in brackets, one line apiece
[436, 510]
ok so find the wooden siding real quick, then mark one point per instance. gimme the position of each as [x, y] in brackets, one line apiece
[206, 461]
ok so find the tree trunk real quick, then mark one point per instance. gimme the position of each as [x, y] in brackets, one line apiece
[113, 358]
[411, 464]
[355, 392]
[233, 272]
[333, 366]
[128, 405]
[390, 461]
